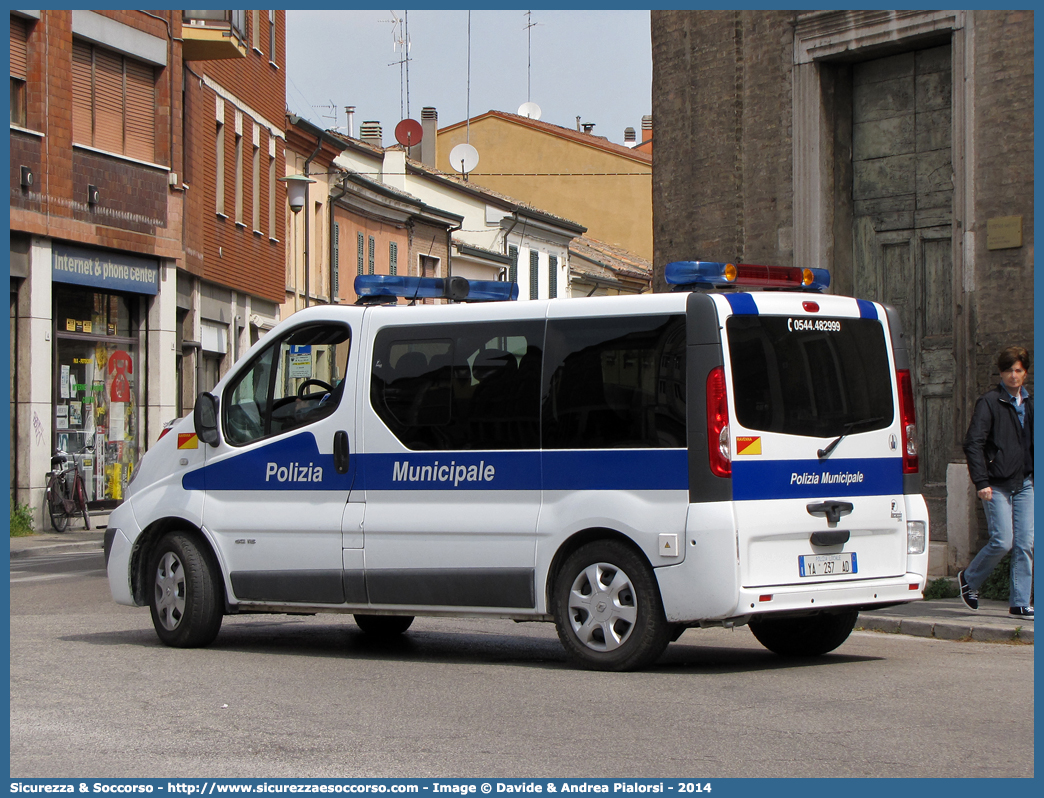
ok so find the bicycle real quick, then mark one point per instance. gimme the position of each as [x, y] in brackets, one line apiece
[66, 493]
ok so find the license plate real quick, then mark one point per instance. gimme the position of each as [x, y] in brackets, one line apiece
[827, 564]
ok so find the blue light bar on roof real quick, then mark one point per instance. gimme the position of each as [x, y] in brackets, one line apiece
[377, 287]
[712, 274]
[491, 291]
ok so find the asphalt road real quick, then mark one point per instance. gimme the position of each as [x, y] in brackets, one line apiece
[94, 694]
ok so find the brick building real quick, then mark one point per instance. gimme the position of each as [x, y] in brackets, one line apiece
[894, 148]
[146, 229]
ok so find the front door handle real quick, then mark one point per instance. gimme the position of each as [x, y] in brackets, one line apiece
[340, 451]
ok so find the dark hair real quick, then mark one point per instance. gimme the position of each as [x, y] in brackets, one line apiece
[1012, 355]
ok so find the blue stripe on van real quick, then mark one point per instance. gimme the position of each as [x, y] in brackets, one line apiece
[292, 463]
[867, 309]
[295, 464]
[806, 479]
[742, 304]
[604, 469]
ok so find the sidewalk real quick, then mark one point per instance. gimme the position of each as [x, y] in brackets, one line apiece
[945, 619]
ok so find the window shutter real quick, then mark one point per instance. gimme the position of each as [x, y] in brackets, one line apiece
[82, 122]
[534, 274]
[552, 276]
[141, 111]
[108, 100]
[393, 258]
[513, 268]
[336, 259]
[19, 48]
[371, 255]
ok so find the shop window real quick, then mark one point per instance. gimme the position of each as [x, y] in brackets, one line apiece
[97, 392]
[114, 102]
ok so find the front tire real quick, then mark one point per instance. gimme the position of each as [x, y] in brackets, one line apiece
[57, 496]
[185, 592]
[608, 610]
[807, 636]
[383, 625]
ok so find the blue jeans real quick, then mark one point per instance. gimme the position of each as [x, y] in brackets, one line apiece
[1009, 518]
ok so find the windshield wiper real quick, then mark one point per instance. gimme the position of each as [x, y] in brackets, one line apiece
[824, 453]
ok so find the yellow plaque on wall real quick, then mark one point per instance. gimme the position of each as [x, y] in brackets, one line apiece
[1004, 232]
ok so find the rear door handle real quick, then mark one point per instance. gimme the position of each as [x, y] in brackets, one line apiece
[833, 510]
[340, 451]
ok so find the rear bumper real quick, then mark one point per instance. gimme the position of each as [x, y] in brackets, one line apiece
[802, 599]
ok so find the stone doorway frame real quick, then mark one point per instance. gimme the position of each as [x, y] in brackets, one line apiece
[824, 42]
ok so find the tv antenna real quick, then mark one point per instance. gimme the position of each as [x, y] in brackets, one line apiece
[530, 24]
[332, 108]
[401, 44]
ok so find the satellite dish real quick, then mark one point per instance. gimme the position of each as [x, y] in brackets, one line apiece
[464, 158]
[409, 132]
[532, 110]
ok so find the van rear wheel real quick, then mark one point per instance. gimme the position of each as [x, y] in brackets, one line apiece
[807, 636]
[608, 610]
[185, 594]
[383, 625]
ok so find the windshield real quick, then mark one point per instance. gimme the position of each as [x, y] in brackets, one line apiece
[814, 377]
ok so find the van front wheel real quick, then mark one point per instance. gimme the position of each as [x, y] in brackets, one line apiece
[607, 608]
[807, 636]
[185, 595]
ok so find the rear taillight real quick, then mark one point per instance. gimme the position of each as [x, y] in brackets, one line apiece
[718, 424]
[909, 421]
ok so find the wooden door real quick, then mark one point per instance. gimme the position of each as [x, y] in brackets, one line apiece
[903, 212]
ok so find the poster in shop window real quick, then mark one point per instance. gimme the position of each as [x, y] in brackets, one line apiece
[116, 427]
[63, 383]
[62, 419]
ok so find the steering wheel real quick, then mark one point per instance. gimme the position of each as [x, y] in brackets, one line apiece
[301, 388]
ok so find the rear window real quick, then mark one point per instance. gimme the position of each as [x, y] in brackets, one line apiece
[814, 377]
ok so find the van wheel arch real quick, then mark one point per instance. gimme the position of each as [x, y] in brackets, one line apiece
[145, 545]
[576, 541]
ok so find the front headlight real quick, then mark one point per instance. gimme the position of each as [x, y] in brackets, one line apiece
[916, 537]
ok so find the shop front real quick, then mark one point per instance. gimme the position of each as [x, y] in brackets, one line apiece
[100, 307]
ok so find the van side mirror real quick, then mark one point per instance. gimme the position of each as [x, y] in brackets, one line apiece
[204, 417]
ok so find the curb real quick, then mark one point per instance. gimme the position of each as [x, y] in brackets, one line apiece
[946, 631]
[54, 548]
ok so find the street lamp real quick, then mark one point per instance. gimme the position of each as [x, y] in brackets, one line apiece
[296, 191]
[297, 196]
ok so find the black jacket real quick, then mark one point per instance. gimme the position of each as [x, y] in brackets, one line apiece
[999, 450]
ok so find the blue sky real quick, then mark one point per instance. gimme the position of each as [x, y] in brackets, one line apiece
[593, 64]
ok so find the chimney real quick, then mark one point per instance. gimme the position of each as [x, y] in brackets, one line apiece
[429, 152]
[588, 127]
[629, 137]
[646, 127]
[349, 110]
[370, 132]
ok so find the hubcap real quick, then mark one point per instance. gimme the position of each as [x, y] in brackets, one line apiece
[170, 591]
[602, 607]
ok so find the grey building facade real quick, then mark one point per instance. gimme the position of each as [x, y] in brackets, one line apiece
[894, 148]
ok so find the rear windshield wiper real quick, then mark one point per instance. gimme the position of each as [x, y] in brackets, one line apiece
[824, 453]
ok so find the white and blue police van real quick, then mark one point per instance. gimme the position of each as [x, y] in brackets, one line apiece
[626, 467]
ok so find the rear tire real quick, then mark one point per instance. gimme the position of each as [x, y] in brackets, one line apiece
[57, 495]
[807, 636]
[608, 610]
[185, 592]
[81, 501]
[383, 625]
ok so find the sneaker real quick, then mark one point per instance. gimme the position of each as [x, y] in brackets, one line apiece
[968, 596]
[1022, 612]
